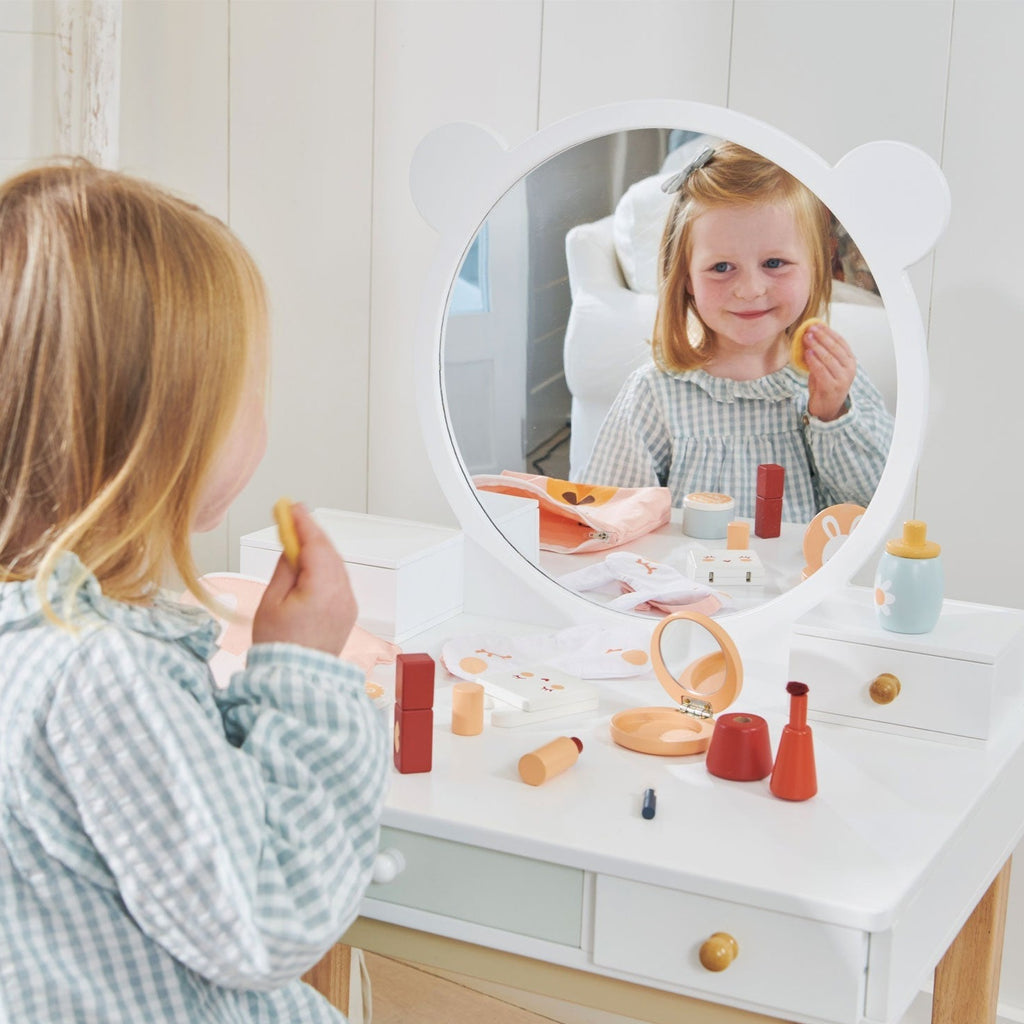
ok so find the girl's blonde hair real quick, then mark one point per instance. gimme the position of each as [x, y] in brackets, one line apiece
[732, 176]
[128, 318]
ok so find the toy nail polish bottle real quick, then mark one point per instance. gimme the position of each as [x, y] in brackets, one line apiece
[909, 582]
[794, 776]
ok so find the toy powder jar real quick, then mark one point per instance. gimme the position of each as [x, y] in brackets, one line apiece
[909, 582]
[698, 666]
[707, 515]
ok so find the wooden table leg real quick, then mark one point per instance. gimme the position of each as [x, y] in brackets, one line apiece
[330, 977]
[967, 977]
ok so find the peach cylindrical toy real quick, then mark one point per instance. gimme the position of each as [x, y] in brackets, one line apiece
[550, 760]
[467, 709]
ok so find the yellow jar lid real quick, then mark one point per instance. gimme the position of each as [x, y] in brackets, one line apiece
[914, 542]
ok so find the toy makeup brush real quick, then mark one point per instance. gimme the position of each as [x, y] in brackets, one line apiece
[793, 777]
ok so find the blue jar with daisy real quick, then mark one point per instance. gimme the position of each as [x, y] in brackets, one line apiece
[909, 581]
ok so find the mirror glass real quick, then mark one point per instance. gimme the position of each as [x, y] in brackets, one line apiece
[552, 309]
[692, 656]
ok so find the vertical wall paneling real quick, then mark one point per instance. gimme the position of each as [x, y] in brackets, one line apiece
[972, 459]
[594, 52]
[436, 63]
[174, 127]
[300, 197]
[28, 79]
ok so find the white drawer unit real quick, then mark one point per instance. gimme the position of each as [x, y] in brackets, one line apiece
[955, 683]
[778, 962]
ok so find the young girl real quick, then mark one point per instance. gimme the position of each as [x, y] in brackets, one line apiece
[168, 852]
[745, 259]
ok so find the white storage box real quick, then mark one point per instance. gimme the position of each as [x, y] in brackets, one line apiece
[517, 519]
[406, 576]
[955, 683]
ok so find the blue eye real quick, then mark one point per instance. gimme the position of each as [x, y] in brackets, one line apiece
[720, 268]
[774, 263]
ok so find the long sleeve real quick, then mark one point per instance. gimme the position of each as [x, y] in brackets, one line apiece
[850, 453]
[239, 830]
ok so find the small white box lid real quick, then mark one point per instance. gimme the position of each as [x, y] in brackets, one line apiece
[965, 631]
[371, 540]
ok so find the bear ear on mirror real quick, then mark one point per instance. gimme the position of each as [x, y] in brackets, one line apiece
[449, 166]
[898, 201]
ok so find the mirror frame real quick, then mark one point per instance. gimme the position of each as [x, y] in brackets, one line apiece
[868, 191]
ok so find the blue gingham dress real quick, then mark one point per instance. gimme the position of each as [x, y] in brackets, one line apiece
[168, 851]
[695, 432]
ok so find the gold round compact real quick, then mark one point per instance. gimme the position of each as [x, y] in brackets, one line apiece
[699, 667]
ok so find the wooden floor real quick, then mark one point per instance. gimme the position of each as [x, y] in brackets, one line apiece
[403, 993]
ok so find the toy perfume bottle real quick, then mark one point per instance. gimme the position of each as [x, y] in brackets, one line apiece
[909, 582]
[794, 776]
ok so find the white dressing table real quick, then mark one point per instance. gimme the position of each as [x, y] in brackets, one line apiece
[840, 906]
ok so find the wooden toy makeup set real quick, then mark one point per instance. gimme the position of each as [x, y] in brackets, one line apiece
[738, 745]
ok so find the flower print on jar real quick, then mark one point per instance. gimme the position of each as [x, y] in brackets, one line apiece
[884, 596]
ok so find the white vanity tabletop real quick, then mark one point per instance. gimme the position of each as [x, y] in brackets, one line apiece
[892, 815]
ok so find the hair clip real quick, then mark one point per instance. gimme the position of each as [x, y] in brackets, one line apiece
[680, 178]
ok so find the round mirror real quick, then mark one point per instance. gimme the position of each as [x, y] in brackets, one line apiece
[507, 377]
[694, 659]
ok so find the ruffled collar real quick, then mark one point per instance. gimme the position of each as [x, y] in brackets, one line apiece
[163, 619]
[775, 387]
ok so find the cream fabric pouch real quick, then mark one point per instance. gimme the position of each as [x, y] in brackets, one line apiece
[585, 517]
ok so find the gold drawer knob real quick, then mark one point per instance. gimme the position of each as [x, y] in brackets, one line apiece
[885, 688]
[719, 951]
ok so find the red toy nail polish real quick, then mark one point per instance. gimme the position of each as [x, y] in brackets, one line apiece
[794, 776]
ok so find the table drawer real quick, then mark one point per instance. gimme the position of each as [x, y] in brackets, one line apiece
[784, 963]
[936, 694]
[500, 890]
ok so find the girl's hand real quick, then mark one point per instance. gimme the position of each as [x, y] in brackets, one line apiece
[832, 367]
[311, 604]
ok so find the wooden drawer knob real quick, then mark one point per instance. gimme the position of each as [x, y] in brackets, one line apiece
[885, 688]
[719, 951]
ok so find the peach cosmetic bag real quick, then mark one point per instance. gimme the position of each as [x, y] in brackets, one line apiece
[584, 517]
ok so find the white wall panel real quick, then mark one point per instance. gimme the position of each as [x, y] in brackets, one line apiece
[174, 127]
[28, 87]
[27, 16]
[436, 63]
[300, 197]
[595, 52]
[838, 73]
[973, 459]
[174, 97]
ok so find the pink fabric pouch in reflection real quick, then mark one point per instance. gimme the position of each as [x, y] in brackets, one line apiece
[585, 517]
